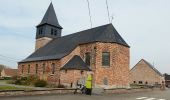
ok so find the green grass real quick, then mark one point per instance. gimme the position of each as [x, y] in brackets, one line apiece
[13, 88]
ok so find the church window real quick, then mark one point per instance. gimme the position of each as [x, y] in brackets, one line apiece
[52, 31]
[36, 68]
[55, 32]
[22, 69]
[53, 68]
[106, 59]
[28, 69]
[43, 67]
[87, 58]
[40, 30]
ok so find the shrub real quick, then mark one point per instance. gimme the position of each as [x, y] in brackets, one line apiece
[7, 78]
[23, 78]
[40, 83]
[18, 82]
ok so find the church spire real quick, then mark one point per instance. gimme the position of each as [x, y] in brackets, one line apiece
[50, 18]
[48, 29]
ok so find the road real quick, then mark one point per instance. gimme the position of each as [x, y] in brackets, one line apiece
[155, 95]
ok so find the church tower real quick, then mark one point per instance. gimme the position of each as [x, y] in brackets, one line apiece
[48, 29]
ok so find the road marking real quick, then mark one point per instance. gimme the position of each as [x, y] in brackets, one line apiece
[150, 99]
[146, 98]
[141, 98]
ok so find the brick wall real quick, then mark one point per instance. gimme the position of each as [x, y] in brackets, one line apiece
[72, 77]
[117, 73]
[142, 72]
[51, 78]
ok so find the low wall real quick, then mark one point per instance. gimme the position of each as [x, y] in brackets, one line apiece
[35, 92]
[120, 91]
[66, 91]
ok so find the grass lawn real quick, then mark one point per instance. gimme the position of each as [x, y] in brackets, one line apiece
[12, 88]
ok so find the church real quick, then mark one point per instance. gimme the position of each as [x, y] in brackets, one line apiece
[65, 59]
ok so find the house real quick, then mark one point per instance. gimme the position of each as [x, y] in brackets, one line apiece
[167, 80]
[7, 72]
[65, 59]
[145, 74]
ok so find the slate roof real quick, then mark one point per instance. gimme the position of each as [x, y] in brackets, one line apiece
[167, 77]
[50, 17]
[76, 63]
[152, 67]
[60, 47]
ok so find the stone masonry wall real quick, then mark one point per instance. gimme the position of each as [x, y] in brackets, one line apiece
[42, 42]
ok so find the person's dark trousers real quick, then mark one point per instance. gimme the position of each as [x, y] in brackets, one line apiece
[88, 91]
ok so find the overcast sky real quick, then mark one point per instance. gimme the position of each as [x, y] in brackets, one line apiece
[144, 25]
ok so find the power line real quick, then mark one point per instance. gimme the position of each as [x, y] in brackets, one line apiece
[14, 59]
[108, 11]
[8, 60]
[88, 3]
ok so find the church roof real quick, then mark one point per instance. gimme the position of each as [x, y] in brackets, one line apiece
[76, 63]
[60, 47]
[50, 17]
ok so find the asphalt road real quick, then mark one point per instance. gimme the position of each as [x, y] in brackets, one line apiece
[155, 95]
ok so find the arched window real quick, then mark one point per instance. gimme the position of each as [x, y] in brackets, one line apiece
[36, 69]
[87, 58]
[53, 68]
[28, 69]
[43, 67]
[105, 81]
[22, 69]
[105, 59]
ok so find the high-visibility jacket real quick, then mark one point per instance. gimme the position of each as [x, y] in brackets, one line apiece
[89, 82]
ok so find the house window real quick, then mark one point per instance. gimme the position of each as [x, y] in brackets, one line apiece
[146, 82]
[105, 59]
[53, 68]
[140, 82]
[87, 58]
[105, 81]
[22, 70]
[52, 31]
[134, 82]
[28, 69]
[36, 68]
[43, 67]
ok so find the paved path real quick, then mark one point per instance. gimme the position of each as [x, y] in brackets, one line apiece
[155, 95]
